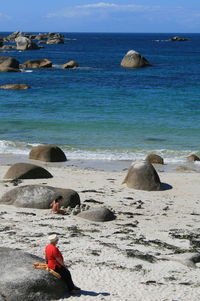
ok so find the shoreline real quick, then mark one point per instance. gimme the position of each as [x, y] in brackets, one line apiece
[100, 165]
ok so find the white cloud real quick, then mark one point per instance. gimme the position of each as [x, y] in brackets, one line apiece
[105, 10]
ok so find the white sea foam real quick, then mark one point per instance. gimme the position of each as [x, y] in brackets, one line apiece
[170, 156]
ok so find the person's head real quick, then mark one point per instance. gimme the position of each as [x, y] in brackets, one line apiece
[53, 238]
[59, 199]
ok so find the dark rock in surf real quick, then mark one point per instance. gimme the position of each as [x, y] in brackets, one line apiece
[47, 153]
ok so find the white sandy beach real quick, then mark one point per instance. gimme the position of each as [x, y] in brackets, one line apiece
[140, 256]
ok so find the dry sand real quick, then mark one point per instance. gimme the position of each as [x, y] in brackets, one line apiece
[140, 256]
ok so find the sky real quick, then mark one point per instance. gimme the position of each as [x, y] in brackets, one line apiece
[171, 16]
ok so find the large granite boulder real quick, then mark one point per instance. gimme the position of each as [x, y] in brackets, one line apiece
[8, 62]
[40, 63]
[47, 153]
[193, 158]
[154, 159]
[39, 196]
[26, 171]
[19, 281]
[24, 43]
[70, 65]
[15, 87]
[142, 176]
[134, 59]
[98, 214]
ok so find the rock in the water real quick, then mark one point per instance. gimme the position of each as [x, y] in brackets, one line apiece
[15, 87]
[47, 153]
[179, 39]
[19, 281]
[39, 196]
[70, 65]
[98, 215]
[26, 171]
[154, 159]
[41, 63]
[134, 59]
[24, 43]
[142, 176]
[8, 62]
[193, 158]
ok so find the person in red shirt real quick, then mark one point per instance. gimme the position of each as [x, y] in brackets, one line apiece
[55, 261]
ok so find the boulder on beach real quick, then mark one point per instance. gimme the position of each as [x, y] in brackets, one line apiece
[47, 153]
[70, 65]
[24, 43]
[39, 196]
[193, 158]
[154, 159]
[15, 87]
[20, 281]
[142, 176]
[101, 214]
[134, 59]
[40, 63]
[26, 171]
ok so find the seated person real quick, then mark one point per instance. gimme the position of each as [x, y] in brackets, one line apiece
[56, 207]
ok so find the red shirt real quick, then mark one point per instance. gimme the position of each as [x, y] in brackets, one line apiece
[52, 253]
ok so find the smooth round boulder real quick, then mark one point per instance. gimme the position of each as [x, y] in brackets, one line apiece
[98, 215]
[20, 281]
[27, 171]
[134, 59]
[193, 158]
[39, 196]
[40, 63]
[142, 176]
[70, 65]
[15, 87]
[47, 153]
[154, 159]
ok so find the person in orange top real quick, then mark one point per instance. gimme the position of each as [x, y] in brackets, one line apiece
[55, 206]
[55, 261]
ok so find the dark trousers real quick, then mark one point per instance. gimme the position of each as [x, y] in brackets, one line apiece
[66, 276]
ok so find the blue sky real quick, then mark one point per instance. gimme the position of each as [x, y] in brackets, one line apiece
[101, 16]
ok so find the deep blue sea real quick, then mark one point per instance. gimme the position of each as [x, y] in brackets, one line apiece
[101, 110]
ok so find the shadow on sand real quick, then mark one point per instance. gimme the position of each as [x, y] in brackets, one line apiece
[165, 186]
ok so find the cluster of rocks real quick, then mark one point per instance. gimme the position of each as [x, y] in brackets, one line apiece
[10, 64]
[179, 39]
[25, 41]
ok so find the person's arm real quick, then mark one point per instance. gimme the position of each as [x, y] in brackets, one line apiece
[60, 261]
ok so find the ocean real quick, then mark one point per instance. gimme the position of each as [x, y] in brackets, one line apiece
[101, 111]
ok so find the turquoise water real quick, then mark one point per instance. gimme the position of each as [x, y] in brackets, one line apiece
[101, 110]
